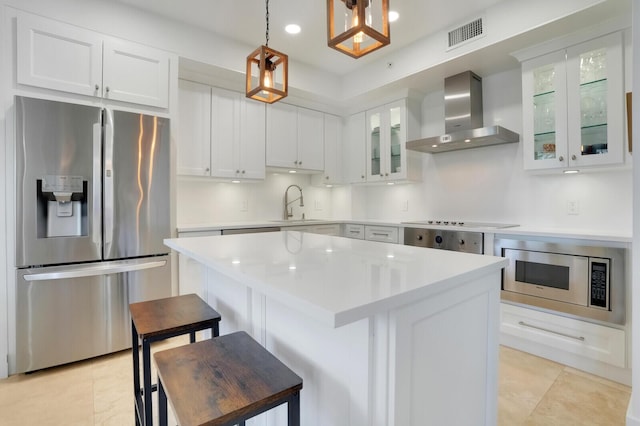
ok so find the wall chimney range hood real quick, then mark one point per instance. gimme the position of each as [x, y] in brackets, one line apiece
[463, 119]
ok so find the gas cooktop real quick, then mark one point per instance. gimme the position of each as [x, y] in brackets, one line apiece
[461, 224]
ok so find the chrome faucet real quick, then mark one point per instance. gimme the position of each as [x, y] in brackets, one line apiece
[289, 213]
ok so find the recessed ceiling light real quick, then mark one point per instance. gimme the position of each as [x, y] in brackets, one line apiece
[292, 29]
[393, 16]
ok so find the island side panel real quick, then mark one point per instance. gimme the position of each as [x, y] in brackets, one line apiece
[334, 363]
[444, 359]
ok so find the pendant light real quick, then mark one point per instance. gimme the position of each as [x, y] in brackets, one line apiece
[267, 72]
[357, 27]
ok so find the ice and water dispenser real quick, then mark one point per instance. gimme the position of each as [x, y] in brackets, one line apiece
[62, 206]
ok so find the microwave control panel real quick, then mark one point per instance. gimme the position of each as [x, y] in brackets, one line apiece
[599, 283]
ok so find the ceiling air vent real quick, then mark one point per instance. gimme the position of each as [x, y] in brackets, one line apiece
[465, 33]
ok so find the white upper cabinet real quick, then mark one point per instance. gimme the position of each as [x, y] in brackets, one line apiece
[332, 152]
[58, 56]
[221, 133]
[355, 149]
[573, 106]
[295, 138]
[387, 128]
[237, 136]
[194, 129]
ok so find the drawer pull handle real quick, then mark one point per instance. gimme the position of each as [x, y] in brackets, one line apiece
[524, 324]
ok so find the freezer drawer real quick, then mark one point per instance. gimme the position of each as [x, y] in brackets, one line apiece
[70, 313]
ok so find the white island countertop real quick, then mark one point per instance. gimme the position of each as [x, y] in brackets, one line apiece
[333, 279]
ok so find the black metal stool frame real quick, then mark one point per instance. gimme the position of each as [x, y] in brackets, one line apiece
[143, 395]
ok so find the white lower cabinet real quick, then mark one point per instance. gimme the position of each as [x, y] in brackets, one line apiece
[385, 234]
[352, 230]
[192, 274]
[328, 229]
[567, 337]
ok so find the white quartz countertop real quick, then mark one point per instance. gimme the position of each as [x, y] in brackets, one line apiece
[593, 234]
[336, 280]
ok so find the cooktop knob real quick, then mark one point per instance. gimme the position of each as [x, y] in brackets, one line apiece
[453, 222]
[446, 222]
[419, 238]
[438, 222]
[461, 242]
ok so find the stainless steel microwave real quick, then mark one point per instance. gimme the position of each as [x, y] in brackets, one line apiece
[585, 281]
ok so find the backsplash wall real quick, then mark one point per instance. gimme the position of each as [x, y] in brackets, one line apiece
[490, 183]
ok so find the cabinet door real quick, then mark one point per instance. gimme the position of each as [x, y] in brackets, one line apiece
[252, 139]
[544, 108]
[332, 148]
[595, 93]
[58, 56]
[282, 133]
[135, 73]
[355, 149]
[225, 133]
[376, 145]
[310, 139]
[397, 138]
[194, 129]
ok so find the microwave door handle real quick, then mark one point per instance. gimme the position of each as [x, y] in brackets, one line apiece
[108, 180]
[96, 187]
[79, 272]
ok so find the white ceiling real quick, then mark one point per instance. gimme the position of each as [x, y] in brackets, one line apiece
[244, 21]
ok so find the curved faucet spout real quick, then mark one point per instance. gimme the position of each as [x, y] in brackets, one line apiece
[289, 213]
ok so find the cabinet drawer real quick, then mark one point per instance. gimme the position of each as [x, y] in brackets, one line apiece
[581, 338]
[386, 234]
[354, 231]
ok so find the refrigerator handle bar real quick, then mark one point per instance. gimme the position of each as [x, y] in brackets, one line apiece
[96, 204]
[93, 271]
[108, 180]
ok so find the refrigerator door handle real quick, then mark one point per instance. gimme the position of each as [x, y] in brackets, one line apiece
[108, 180]
[96, 205]
[114, 268]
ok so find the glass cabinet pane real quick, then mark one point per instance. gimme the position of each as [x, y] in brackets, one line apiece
[374, 129]
[395, 151]
[544, 112]
[593, 102]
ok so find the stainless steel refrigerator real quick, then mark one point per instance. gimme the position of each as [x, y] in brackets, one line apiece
[92, 189]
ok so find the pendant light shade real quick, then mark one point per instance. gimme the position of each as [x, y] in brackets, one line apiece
[357, 27]
[267, 71]
[267, 75]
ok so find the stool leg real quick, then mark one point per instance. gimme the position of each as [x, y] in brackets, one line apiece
[192, 337]
[216, 329]
[162, 404]
[135, 351]
[294, 409]
[146, 372]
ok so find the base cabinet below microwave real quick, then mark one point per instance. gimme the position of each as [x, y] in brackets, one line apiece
[580, 344]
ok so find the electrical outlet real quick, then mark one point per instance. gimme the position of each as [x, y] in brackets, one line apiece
[318, 205]
[244, 206]
[573, 207]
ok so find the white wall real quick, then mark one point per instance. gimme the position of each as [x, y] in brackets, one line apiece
[202, 201]
[490, 184]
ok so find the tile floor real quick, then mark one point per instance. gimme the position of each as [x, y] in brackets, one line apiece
[533, 391]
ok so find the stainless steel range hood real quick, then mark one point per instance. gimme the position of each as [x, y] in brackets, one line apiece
[463, 119]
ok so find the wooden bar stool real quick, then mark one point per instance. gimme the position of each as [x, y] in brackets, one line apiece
[161, 319]
[224, 381]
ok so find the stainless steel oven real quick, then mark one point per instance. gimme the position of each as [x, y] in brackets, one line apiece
[585, 281]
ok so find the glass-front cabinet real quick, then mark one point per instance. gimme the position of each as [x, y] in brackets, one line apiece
[573, 106]
[386, 138]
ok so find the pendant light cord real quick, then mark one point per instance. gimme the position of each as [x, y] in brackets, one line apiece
[267, 19]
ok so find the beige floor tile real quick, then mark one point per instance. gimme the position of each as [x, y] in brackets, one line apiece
[523, 380]
[576, 399]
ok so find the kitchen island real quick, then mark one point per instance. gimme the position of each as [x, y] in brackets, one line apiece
[382, 334]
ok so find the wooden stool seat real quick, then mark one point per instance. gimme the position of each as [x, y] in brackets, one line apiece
[161, 319]
[224, 381]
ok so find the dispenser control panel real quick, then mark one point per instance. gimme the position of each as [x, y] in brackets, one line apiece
[59, 183]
